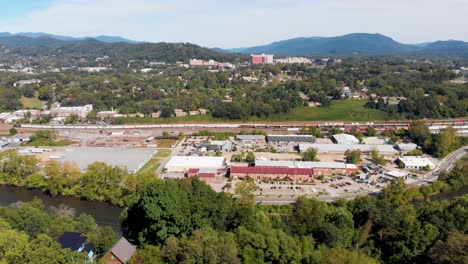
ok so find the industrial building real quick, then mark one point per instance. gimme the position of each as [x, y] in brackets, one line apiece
[345, 139]
[216, 145]
[185, 163]
[406, 147]
[416, 163]
[291, 170]
[251, 139]
[291, 138]
[342, 148]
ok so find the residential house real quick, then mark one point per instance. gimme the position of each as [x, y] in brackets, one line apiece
[76, 242]
[120, 253]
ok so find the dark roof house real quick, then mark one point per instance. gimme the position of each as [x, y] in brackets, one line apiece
[76, 242]
[120, 253]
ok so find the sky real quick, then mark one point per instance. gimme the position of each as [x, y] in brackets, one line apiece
[238, 23]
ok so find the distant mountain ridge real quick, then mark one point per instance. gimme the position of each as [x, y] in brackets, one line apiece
[106, 39]
[354, 44]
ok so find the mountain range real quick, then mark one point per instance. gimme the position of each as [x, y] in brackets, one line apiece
[350, 44]
[354, 44]
[41, 35]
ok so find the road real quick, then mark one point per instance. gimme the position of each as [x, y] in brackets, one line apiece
[445, 165]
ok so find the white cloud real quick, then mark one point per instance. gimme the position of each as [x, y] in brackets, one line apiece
[248, 22]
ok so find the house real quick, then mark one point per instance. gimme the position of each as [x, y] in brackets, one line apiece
[180, 112]
[120, 253]
[76, 242]
[206, 175]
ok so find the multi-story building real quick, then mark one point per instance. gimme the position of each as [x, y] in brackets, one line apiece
[262, 59]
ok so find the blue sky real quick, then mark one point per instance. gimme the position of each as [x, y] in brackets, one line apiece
[237, 23]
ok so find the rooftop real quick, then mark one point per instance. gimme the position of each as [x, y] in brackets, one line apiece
[412, 161]
[345, 139]
[341, 148]
[250, 137]
[123, 250]
[196, 162]
[304, 164]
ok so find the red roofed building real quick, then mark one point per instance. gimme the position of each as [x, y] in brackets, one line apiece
[272, 173]
[205, 175]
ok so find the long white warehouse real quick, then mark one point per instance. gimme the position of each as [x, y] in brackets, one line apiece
[184, 163]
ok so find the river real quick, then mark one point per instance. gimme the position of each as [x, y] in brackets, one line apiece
[104, 213]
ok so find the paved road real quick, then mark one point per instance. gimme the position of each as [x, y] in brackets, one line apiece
[445, 165]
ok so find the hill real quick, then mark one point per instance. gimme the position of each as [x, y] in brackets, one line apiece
[352, 44]
[107, 39]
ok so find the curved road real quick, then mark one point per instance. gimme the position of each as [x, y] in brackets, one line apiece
[445, 165]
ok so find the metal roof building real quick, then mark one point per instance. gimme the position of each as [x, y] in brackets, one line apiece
[345, 139]
[406, 147]
[304, 164]
[184, 163]
[341, 148]
[416, 163]
[250, 137]
[291, 138]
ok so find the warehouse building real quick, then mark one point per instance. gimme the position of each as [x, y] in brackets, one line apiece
[416, 163]
[291, 170]
[342, 148]
[345, 139]
[291, 139]
[251, 139]
[406, 147]
[184, 163]
[320, 168]
[272, 173]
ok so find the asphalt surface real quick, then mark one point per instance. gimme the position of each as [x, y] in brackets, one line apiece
[445, 165]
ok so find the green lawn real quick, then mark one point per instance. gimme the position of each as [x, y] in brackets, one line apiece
[153, 164]
[31, 103]
[348, 110]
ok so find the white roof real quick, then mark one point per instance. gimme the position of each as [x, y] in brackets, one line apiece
[195, 162]
[396, 174]
[407, 147]
[412, 161]
[304, 164]
[345, 139]
[341, 148]
[250, 137]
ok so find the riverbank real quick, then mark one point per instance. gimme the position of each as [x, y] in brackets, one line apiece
[104, 213]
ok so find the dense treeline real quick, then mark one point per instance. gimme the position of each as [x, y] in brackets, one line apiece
[185, 221]
[29, 233]
[423, 89]
[100, 182]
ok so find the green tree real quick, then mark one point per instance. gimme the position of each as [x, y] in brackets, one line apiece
[310, 155]
[353, 156]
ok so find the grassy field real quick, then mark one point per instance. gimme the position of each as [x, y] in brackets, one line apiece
[348, 110]
[31, 103]
[165, 143]
[153, 164]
